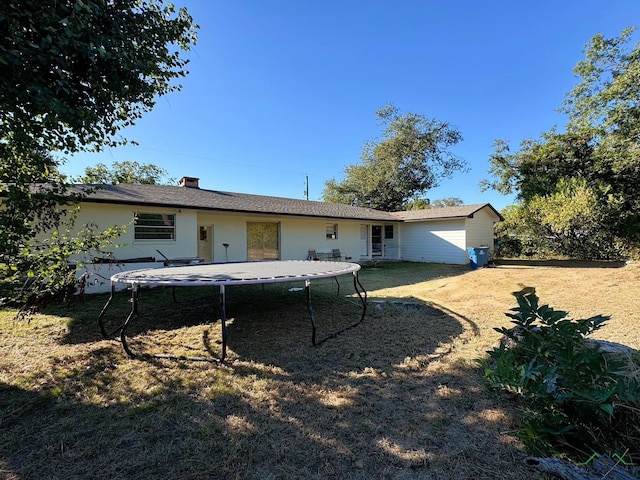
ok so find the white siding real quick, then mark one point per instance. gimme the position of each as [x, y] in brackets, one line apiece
[480, 229]
[105, 216]
[297, 235]
[442, 241]
[438, 241]
[301, 235]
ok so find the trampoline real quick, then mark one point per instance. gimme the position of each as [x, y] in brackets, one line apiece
[228, 274]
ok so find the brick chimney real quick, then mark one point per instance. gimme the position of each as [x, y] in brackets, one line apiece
[189, 182]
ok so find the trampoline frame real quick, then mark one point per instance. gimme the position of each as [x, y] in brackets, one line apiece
[223, 275]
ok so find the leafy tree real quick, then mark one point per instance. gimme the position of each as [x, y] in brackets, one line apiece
[596, 158]
[417, 204]
[125, 172]
[38, 235]
[74, 73]
[570, 220]
[606, 98]
[411, 158]
[425, 203]
[447, 202]
[512, 236]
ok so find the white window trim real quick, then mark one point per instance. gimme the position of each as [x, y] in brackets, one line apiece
[332, 231]
[136, 217]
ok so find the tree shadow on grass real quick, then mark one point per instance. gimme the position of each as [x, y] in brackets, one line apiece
[389, 399]
[199, 305]
[158, 309]
[391, 330]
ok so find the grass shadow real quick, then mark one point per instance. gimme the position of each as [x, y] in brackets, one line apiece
[390, 332]
[359, 407]
[200, 305]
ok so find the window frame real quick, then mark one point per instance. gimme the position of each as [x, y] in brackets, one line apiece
[331, 231]
[261, 247]
[157, 232]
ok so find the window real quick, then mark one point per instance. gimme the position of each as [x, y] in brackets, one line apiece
[154, 226]
[388, 232]
[332, 231]
[263, 241]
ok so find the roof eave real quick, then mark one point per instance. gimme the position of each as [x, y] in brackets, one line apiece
[454, 217]
[230, 210]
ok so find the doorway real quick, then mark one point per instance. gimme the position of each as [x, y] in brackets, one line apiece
[205, 242]
[364, 240]
[376, 241]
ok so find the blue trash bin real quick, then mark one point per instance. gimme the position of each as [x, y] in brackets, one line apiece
[473, 258]
[478, 256]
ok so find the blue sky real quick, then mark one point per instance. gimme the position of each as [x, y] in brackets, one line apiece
[285, 89]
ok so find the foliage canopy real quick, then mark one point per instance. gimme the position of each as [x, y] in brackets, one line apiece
[584, 177]
[76, 72]
[412, 157]
[125, 172]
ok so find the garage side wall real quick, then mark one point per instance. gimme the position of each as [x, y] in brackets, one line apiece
[479, 229]
[441, 241]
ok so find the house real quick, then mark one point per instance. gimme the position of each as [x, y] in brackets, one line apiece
[186, 222]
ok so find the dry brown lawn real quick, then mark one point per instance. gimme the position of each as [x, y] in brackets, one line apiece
[398, 397]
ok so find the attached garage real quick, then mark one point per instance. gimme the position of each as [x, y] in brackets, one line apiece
[442, 235]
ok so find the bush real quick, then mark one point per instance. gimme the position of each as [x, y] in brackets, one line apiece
[576, 397]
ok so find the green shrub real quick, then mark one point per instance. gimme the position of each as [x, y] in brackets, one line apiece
[576, 397]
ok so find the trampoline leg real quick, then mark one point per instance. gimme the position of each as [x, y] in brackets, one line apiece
[362, 294]
[223, 321]
[307, 288]
[133, 315]
[103, 311]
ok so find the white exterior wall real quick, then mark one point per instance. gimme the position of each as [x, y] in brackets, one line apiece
[97, 275]
[297, 235]
[480, 229]
[229, 229]
[106, 216]
[442, 241]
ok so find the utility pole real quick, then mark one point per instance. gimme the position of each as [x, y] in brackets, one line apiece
[306, 191]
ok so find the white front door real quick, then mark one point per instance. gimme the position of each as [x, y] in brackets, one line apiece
[364, 240]
[205, 242]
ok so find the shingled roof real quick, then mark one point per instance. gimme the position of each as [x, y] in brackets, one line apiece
[214, 200]
[442, 213]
